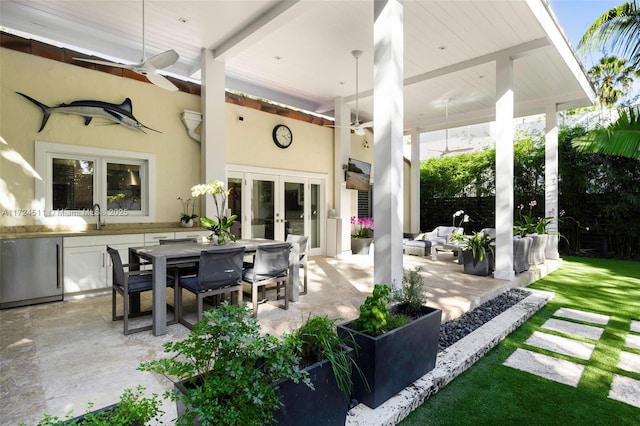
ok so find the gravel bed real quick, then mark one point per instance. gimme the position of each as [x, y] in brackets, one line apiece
[456, 329]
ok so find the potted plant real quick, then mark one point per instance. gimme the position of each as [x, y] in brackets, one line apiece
[221, 225]
[397, 344]
[328, 363]
[223, 371]
[536, 228]
[186, 218]
[132, 409]
[477, 257]
[227, 373]
[361, 235]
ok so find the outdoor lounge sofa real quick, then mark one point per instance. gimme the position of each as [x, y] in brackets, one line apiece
[428, 242]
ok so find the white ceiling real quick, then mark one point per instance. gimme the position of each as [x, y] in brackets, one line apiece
[298, 52]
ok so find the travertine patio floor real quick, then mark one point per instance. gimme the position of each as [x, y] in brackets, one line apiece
[57, 357]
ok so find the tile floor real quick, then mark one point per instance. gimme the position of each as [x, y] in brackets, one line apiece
[57, 357]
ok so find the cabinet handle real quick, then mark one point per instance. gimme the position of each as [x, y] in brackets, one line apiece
[164, 237]
[103, 260]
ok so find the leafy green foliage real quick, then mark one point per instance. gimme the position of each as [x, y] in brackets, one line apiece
[621, 137]
[479, 244]
[230, 367]
[412, 293]
[133, 407]
[374, 312]
[317, 339]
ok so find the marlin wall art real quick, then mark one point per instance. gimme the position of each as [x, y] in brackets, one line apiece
[118, 113]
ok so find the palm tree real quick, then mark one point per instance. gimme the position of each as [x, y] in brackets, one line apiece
[618, 28]
[612, 79]
[621, 137]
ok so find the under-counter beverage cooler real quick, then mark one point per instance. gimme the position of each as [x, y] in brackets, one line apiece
[30, 271]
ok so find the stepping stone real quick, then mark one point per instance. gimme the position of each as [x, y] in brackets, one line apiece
[581, 330]
[629, 362]
[632, 341]
[551, 368]
[561, 345]
[635, 326]
[625, 389]
[582, 316]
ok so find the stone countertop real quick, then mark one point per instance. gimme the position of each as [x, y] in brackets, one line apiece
[8, 232]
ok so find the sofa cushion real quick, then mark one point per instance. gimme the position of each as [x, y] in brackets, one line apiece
[418, 243]
[445, 231]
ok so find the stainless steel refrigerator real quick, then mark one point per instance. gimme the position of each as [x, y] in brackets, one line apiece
[30, 271]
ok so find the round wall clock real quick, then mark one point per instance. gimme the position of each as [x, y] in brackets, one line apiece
[282, 136]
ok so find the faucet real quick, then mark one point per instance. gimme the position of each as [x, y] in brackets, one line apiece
[99, 222]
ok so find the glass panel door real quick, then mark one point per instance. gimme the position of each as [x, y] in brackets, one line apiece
[234, 203]
[294, 206]
[265, 219]
[315, 228]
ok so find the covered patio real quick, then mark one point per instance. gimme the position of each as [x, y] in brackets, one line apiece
[63, 355]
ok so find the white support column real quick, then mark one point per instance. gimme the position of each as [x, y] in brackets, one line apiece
[388, 123]
[415, 180]
[504, 169]
[342, 196]
[212, 146]
[551, 180]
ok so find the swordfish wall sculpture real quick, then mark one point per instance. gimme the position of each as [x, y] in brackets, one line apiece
[118, 113]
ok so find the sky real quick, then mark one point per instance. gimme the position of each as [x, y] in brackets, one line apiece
[575, 16]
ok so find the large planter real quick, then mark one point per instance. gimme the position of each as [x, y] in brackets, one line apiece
[481, 268]
[361, 245]
[79, 420]
[326, 405]
[538, 248]
[392, 361]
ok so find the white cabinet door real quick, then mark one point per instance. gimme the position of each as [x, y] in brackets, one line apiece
[85, 268]
[154, 238]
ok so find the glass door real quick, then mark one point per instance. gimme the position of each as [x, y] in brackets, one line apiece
[294, 206]
[265, 217]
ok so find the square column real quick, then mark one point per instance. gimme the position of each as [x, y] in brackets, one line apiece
[341, 195]
[415, 181]
[388, 123]
[504, 169]
[551, 180]
[212, 147]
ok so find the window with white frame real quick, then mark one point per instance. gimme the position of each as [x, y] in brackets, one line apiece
[76, 180]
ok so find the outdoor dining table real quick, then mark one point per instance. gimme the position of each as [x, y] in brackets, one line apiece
[172, 254]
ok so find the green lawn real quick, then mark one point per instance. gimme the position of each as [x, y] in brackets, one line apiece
[491, 394]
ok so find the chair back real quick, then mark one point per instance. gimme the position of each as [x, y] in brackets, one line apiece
[271, 261]
[118, 268]
[219, 268]
[178, 241]
[302, 242]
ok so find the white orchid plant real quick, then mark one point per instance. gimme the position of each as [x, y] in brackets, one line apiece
[222, 225]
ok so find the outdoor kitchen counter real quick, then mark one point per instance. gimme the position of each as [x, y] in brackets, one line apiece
[10, 232]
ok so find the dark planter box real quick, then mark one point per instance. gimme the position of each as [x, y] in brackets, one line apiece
[392, 361]
[326, 405]
[481, 268]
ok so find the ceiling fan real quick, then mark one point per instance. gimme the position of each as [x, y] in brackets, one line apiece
[446, 130]
[146, 67]
[357, 126]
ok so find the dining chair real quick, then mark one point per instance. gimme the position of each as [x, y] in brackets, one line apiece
[304, 254]
[219, 273]
[270, 266]
[175, 272]
[128, 283]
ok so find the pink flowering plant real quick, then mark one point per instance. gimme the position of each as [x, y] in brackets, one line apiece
[531, 224]
[362, 227]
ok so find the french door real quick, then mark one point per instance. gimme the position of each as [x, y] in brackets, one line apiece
[273, 206]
